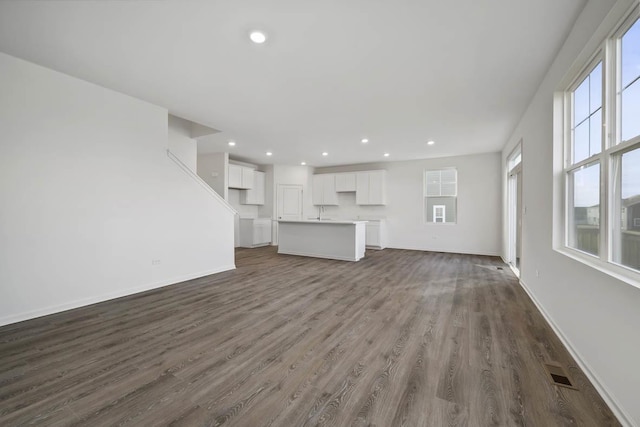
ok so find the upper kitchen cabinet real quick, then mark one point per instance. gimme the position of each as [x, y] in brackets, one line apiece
[371, 188]
[240, 177]
[345, 182]
[324, 190]
[255, 195]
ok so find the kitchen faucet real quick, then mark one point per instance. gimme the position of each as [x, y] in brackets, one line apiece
[320, 210]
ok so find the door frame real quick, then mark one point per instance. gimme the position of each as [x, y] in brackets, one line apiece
[515, 215]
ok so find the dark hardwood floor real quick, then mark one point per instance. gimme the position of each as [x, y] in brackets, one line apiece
[401, 338]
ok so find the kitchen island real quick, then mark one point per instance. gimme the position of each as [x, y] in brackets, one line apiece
[341, 240]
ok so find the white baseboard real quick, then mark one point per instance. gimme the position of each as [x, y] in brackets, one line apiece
[32, 314]
[623, 418]
[444, 251]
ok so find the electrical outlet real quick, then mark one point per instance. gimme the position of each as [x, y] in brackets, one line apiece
[155, 262]
[537, 273]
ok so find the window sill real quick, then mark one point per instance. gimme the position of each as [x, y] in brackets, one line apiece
[618, 272]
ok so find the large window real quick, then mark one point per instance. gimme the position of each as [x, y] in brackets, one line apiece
[440, 195]
[602, 153]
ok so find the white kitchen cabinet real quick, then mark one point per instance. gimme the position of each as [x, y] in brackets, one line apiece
[345, 182]
[324, 190]
[376, 234]
[255, 232]
[240, 177]
[235, 176]
[254, 195]
[371, 188]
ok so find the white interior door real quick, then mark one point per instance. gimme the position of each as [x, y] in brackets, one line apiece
[289, 205]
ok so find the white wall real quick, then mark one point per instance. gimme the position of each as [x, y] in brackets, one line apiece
[212, 168]
[90, 198]
[477, 230]
[597, 316]
[181, 144]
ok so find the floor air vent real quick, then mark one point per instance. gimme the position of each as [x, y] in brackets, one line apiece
[559, 376]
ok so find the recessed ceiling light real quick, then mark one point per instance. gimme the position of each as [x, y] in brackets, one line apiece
[303, 163]
[232, 143]
[269, 153]
[258, 37]
[386, 154]
[325, 154]
[365, 140]
[431, 142]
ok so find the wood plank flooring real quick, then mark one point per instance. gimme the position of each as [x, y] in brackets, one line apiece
[401, 338]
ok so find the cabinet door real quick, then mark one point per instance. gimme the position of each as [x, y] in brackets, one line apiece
[258, 190]
[266, 232]
[247, 178]
[362, 188]
[235, 176]
[255, 195]
[345, 182]
[377, 193]
[329, 195]
[372, 234]
[317, 190]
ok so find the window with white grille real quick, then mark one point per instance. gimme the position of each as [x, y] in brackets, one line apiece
[440, 195]
[602, 155]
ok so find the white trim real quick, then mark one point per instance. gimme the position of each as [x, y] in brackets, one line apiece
[83, 302]
[201, 182]
[445, 251]
[616, 271]
[607, 53]
[606, 395]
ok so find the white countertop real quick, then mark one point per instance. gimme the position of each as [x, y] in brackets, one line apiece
[315, 221]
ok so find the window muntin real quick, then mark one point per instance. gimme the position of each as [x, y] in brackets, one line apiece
[587, 116]
[602, 157]
[440, 195]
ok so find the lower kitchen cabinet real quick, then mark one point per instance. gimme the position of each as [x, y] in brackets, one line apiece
[255, 232]
[376, 234]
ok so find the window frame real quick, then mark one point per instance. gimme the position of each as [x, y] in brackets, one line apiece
[612, 148]
[569, 145]
[425, 196]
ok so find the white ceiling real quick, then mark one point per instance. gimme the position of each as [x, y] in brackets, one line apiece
[398, 72]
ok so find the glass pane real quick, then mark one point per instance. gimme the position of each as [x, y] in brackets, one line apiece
[630, 210]
[581, 102]
[595, 133]
[584, 209]
[631, 54]
[630, 116]
[595, 83]
[581, 142]
[448, 175]
[440, 205]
